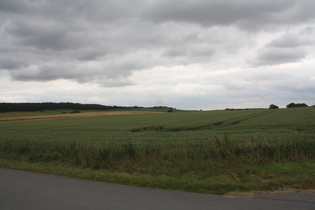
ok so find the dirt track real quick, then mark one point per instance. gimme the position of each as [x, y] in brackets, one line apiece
[59, 116]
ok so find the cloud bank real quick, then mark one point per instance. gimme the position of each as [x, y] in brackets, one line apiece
[188, 54]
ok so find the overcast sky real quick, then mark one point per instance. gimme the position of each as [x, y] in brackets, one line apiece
[188, 54]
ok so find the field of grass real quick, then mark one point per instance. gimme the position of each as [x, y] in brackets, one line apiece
[209, 151]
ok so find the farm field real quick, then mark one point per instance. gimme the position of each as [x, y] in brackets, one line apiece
[28, 116]
[209, 151]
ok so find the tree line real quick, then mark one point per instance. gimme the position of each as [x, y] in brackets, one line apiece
[13, 107]
[291, 105]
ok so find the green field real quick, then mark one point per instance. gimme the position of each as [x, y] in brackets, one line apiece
[209, 151]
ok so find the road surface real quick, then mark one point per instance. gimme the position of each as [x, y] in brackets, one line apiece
[32, 191]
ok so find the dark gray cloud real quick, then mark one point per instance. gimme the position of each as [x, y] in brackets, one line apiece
[247, 14]
[292, 40]
[10, 63]
[41, 34]
[15, 6]
[42, 72]
[276, 56]
[90, 54]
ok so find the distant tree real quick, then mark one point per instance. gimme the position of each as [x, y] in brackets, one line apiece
[272, 106]
[302, 105]
[292, 105]
[170, 110]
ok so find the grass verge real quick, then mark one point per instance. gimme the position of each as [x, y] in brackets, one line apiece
[268, 177]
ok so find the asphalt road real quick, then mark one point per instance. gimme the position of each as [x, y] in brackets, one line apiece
[31, 191]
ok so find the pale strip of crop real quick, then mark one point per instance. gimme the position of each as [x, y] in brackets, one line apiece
[59, 116]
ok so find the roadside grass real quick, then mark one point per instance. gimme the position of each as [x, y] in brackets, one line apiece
[257, 178]
[209, 152]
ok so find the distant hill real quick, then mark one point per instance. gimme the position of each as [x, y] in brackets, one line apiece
[18, 107]
[13, 107]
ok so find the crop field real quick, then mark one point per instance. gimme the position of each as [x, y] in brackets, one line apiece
[208, 151]
[27, 116]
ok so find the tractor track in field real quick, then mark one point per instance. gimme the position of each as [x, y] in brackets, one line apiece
[224, 123]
